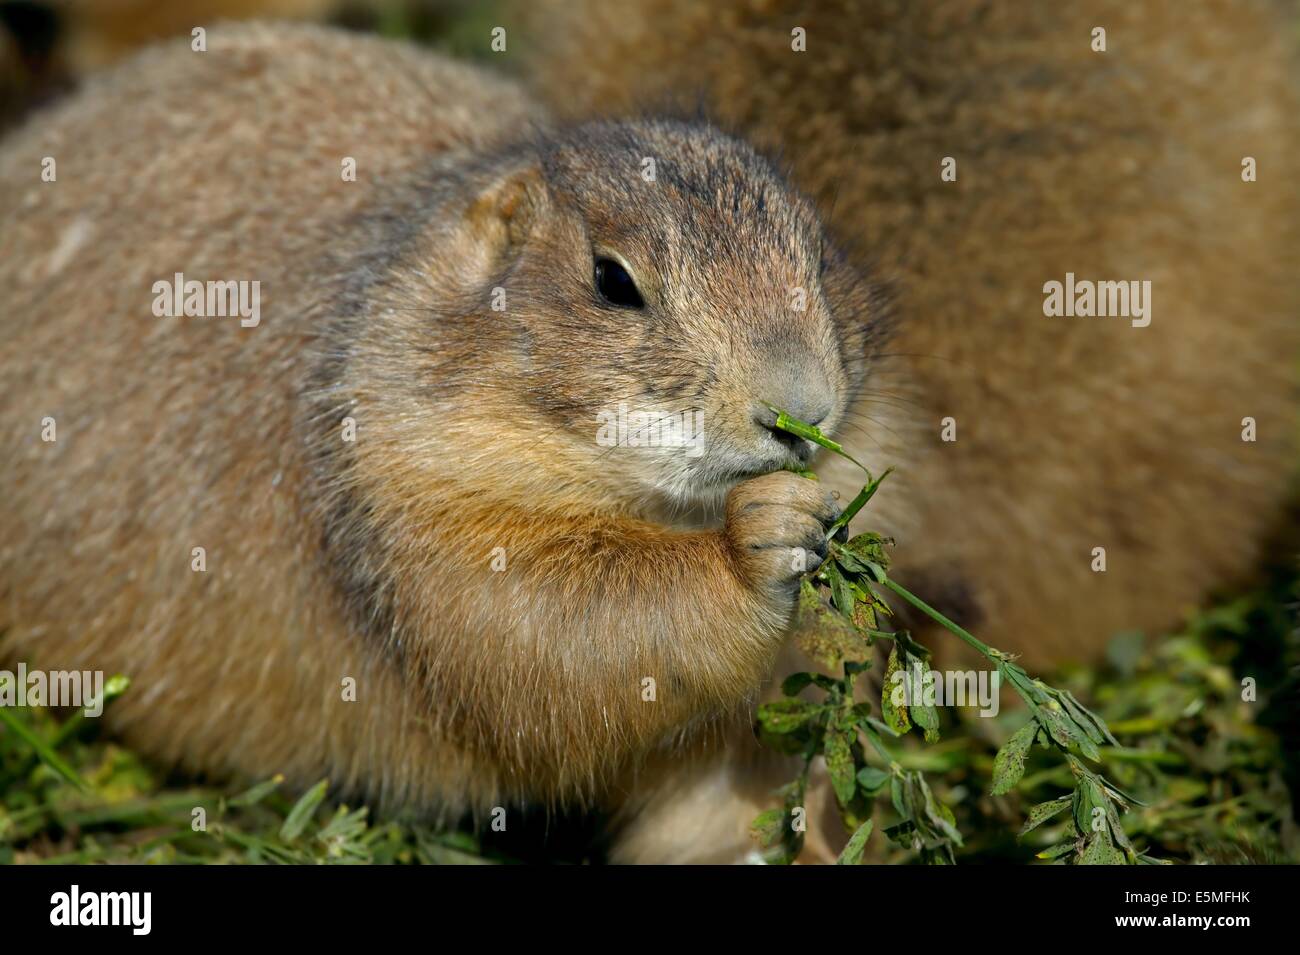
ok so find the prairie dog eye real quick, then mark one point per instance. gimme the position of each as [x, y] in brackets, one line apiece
[616, 286]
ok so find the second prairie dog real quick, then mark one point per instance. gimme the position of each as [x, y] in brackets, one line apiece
[330, 565]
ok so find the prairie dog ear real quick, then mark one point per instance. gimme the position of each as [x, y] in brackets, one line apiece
[502, 216]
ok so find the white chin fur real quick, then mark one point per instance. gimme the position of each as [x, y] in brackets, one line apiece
[696, 491]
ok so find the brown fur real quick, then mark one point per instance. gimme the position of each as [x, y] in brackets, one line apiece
[476, 429]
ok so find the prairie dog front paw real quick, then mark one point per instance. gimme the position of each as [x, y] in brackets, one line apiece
[776, 527]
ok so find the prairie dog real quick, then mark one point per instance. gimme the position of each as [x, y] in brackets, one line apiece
[978, 152]
[383, 483]
[1060, 478]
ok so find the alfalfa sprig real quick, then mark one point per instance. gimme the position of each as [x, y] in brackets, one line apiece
[835, 728]
[843, 611]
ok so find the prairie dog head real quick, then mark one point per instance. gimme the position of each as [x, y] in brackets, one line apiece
[647, 291]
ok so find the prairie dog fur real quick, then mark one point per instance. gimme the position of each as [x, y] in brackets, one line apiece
[327, 559]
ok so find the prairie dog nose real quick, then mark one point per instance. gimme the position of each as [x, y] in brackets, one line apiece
[799, 390]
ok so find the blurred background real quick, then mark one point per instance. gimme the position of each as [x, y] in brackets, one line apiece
[46, 45]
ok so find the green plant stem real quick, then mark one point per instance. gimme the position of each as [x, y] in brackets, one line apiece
[115, 687]
[929, 611]
[43, 750]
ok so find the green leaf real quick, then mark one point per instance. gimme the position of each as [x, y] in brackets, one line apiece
[895, 716]
[823, 634]
[1096, 720]
[838, 752]
[902, 834]
[1081, 734]
[872, 780]
[1080, 717]
[301, 814]
[898, 796]
[797, 682]
[786, 716]
[879, 604]
[923, 714]
[847, 561]
[939, 814]
[874, 724]
[864, 617]
[794, 683]
[1100, 851]
[1087, 797]
[251, 797]
[768, 827]
[1117, 828]
[867, 549]
[841, 590]
[1009, 764]
[1057, 851]
[1121, 794]
[1044, 811]
[852, 854]
[1065, 731]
